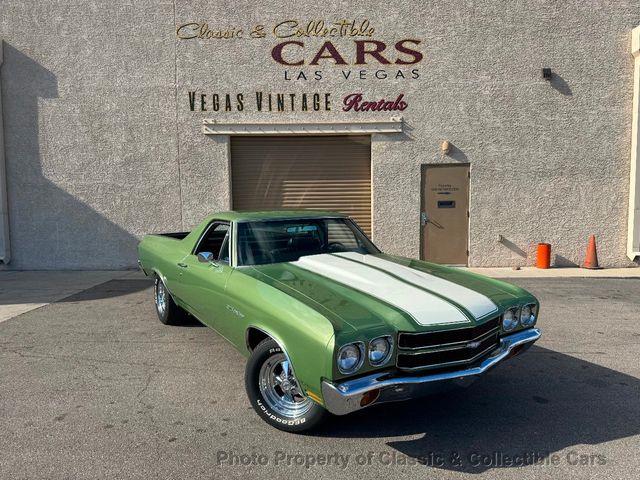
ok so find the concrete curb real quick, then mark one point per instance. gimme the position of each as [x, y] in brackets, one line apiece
[532, 272]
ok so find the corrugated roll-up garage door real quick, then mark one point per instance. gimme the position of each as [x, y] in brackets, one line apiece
[319, 173]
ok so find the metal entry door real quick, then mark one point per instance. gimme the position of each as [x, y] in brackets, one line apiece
[444, 218]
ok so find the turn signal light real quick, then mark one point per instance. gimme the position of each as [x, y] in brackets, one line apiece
[369, 397]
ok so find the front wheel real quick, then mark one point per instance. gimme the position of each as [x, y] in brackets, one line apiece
[274, 392]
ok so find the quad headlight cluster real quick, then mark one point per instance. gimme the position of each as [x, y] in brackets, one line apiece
[351, 356]
[525, 316]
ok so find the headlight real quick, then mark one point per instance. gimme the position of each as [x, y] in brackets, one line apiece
[510, 319]
[379, 350]
[528, 315]
[350, 357]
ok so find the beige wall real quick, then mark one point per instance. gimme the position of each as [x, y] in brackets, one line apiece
[102, 147]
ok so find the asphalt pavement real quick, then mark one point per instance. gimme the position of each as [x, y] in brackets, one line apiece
[93, 386]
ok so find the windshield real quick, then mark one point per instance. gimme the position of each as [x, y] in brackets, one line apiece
[278, 241]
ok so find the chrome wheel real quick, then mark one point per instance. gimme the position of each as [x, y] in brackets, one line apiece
[161, 297]
[280, 388]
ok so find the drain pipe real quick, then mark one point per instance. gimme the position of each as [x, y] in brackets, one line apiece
[5, 252]
[633, 229]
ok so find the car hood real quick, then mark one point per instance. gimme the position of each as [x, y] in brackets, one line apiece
[381, 291]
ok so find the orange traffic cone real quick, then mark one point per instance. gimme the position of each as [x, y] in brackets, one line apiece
[591, 260]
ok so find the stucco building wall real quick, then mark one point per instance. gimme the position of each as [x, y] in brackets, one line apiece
[102, 147]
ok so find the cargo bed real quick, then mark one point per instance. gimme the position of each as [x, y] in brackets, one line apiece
[176, 235]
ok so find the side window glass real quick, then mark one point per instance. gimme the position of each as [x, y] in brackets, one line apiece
[213, 239]
[224, 251]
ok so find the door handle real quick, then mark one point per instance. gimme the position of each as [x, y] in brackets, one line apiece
[423, 218]
[182, 265]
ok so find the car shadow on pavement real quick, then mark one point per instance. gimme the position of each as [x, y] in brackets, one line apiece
[109, 289]
[119, 287]
[522, 412]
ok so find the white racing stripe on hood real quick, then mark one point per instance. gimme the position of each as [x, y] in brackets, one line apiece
[424, 307]
[478, 304]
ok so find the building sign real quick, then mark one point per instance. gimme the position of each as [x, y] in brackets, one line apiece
[289, 102]
[284, 29]
[310, 52]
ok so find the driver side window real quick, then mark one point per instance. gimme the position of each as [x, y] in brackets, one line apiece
[215, 241]
[224, 251]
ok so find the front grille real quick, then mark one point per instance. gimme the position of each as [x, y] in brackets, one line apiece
[441, 358]
[432, 339]
[447, 348]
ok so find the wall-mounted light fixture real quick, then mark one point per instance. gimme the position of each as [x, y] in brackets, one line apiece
[546, 74]
[445, 147]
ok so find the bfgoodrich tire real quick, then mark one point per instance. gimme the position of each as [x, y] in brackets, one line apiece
[274, 392]
[168, 312]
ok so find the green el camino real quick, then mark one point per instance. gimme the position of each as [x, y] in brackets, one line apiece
[328, 322]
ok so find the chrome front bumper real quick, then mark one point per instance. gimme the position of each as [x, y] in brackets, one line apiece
[347, 397]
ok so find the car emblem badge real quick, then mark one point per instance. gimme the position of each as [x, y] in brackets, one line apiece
[473, 344]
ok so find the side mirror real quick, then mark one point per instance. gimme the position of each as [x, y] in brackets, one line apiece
[206, 257]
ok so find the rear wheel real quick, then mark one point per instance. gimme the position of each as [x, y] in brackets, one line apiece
[168, 312]
[274, 391]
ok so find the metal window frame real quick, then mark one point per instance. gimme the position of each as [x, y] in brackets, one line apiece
[214, 224]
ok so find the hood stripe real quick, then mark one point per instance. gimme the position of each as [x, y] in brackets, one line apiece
[404, 280]
[424, 307]
[477, 304]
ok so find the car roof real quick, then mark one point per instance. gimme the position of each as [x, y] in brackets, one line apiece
[262, 215]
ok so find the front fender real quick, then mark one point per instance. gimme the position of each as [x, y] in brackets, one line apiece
[309, 378]
[302, 332]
